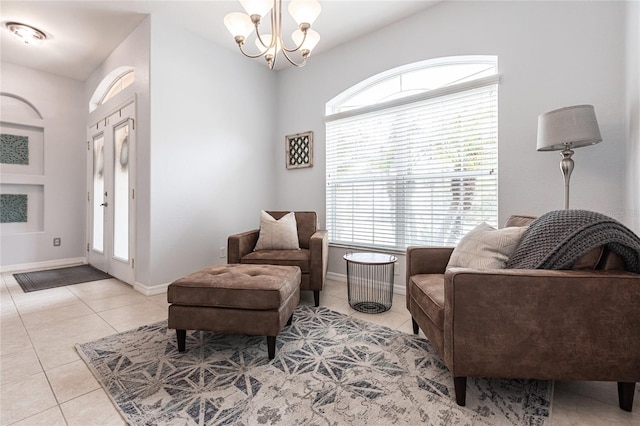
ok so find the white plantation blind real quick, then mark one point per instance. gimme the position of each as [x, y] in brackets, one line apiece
[414, 171]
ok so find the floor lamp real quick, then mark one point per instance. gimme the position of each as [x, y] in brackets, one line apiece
[566, 128]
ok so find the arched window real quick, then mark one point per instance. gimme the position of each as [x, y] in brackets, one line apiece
[125, 80]
[412, 155]
[115, 82]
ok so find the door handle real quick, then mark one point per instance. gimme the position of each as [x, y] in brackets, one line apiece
[104, 204]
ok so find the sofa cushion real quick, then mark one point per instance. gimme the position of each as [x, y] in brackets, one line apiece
[589, 260]
[300, 258]
[277, 234]
[428, 292]
[519, 220]
[610, 261]
[485, 247]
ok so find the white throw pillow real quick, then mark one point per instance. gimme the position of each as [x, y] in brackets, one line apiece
[281, 234]
[485, 247]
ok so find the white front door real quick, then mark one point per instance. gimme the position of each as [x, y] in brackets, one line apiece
[111, 193]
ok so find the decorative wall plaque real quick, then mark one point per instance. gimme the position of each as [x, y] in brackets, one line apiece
[13, 208]
[299, 150]
[14, 149]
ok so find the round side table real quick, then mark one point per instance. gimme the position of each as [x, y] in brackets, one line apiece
[370, 281]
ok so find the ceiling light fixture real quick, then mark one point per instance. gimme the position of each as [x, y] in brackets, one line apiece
[27, 33]
[304, 12]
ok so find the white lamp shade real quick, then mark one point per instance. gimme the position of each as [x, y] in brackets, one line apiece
[267, 40]
[309, 43]
[257, 7]
[573, 127]
[304, 11]
[238, 24]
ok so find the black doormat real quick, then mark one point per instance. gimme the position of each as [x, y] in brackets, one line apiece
[41, 280]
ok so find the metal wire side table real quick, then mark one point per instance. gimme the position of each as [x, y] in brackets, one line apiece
[370, 281]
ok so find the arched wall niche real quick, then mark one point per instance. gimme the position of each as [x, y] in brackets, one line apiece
[19, 107]
[22, 165]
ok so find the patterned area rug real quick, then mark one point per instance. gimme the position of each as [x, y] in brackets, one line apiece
[329, 369]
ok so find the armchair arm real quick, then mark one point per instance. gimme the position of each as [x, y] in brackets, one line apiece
[241, 244]
[427, 260]
[319, 253]
[544, 324]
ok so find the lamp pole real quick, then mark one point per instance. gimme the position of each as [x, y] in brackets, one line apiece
[566, 165]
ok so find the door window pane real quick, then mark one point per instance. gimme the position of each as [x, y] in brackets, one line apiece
[121, 192]
[98, 191]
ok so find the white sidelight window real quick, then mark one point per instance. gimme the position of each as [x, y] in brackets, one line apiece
[412, 155]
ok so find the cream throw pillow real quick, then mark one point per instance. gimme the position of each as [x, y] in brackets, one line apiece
[485, 247]
[281, 234]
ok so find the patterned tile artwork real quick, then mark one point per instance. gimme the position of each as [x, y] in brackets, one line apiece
[300, 150]
[14, 149]
[13, 208]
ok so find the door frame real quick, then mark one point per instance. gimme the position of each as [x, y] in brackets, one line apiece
[123, 269]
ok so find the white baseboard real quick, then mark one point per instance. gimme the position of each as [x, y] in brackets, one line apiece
[150, 291]
[398, 289]
[43, 265]
[336, 277]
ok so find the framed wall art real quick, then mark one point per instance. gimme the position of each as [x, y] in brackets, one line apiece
[299, 150]
[21, 149]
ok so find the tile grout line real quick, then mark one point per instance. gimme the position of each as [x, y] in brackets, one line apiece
[43, 370]
[33, 348]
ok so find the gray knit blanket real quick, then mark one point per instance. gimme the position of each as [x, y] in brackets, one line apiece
[557, 239]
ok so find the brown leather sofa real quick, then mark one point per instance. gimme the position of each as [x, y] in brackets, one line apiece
[579, 324]
[312, 258]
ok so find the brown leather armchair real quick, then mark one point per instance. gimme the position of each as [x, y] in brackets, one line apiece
[312, 258]
[579, 324]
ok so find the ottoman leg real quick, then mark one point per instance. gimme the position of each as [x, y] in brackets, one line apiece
[271, 346]
[316, 297]
[290, 320]
[181, 336]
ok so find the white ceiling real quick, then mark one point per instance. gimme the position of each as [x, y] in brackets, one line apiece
[82, 34]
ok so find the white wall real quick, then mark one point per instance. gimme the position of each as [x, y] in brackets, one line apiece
[632, 210]
[212, 155]
[551, 55]
[59, 100]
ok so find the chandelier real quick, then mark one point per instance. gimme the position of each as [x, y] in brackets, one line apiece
[304, 12]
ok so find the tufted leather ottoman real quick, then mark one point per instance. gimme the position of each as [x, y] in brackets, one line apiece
[239, 298]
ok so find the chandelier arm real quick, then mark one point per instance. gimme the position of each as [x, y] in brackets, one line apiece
[282, 45]
[260, 39]
[274, 29]
[248, 55]
[291, 61]
[295, 49]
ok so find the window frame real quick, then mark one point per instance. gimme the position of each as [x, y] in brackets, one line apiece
[441, 92]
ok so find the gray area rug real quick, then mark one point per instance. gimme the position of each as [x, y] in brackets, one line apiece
[41, 280]
[329, 369]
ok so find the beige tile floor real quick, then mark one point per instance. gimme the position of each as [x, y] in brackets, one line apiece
[44, 382]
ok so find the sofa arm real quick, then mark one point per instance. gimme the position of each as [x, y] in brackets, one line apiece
[427, 260]
[543, 324]
[241, 244]
[319, 254]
